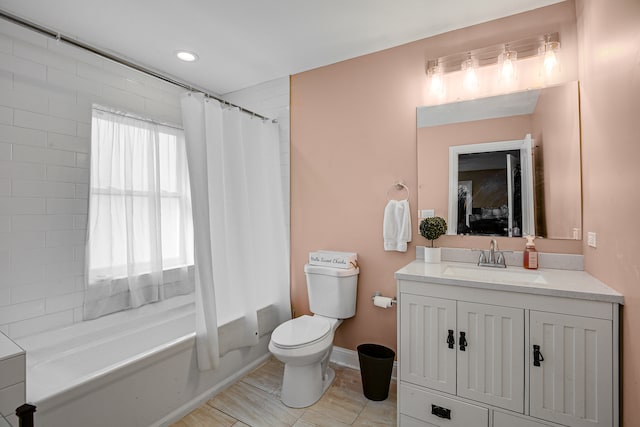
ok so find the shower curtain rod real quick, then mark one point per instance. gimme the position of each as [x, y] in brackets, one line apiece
[58, 36]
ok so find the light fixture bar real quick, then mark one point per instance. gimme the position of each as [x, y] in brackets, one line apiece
[489, 55]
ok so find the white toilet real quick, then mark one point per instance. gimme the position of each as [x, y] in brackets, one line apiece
[304, 344]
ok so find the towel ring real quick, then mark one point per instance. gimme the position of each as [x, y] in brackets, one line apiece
[397, 186]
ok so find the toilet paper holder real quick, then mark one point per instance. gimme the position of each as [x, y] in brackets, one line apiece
[394, 301]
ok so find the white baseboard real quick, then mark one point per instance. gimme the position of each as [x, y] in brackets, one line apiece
[349, 358]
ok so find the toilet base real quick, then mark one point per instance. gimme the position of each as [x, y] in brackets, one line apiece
[328, 379]
[301, 385]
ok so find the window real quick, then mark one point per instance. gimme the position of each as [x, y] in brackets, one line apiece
[140, 223]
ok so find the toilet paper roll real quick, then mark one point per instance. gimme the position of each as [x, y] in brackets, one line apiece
[384, 302]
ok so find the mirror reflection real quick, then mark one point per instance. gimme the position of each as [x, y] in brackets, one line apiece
[514, 163]
[494, 184]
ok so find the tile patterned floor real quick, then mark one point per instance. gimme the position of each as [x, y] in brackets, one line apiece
[254, 401]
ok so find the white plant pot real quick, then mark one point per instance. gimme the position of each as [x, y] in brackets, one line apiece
[432, 255]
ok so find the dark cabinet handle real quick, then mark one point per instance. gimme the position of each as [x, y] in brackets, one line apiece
[441, 412]
[463, 341]
[451, 341]
[537, 356]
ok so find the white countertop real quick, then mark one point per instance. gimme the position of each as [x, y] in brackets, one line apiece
[8, 348]
[558, 283]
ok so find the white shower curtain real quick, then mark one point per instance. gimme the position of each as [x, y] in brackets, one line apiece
[241, 248]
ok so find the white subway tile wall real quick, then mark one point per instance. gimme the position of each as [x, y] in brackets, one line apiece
[47, 89]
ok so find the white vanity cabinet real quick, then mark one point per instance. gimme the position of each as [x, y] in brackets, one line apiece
[573, 384]
[469, 349]
[493, 354]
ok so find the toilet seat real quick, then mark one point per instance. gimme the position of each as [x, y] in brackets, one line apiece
[301, 332]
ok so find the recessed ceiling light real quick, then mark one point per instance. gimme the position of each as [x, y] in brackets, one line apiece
[186, 56]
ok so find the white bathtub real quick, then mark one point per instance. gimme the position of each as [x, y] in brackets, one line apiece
[134, 368]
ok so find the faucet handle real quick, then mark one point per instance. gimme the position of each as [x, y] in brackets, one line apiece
[482, 258]
[500, 259]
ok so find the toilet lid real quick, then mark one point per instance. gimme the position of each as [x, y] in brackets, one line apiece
[301, 331]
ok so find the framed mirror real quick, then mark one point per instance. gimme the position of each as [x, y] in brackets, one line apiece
[512, 164]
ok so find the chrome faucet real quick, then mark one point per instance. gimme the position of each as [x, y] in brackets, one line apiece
[493, 246]
[495, 258]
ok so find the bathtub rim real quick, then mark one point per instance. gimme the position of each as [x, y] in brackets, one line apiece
[50, 339]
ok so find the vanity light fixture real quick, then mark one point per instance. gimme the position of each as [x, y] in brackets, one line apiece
[505, 55]
[186, 56]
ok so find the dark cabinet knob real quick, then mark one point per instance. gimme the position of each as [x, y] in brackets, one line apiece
[451, 341]
[537, 356]
[463, 341]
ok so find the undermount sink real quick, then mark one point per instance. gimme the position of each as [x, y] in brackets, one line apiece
[488, 274]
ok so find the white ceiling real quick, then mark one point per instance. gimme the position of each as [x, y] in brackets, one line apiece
[245, 42]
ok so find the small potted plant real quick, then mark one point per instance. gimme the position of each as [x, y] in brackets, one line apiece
[431, 228]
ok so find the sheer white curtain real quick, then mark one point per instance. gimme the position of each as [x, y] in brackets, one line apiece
[240, 237]
[140, 233]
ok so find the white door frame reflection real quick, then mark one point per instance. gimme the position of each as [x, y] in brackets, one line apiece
[516, 226]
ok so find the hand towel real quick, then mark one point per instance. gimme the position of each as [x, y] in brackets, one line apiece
[396, 225]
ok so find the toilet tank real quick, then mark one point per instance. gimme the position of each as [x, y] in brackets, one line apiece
[332, 291]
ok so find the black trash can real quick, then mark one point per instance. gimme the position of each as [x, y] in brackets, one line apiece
[376, 366]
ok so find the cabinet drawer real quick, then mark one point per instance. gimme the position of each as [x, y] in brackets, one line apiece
[406, 421]
[500, 419]
[426, 406]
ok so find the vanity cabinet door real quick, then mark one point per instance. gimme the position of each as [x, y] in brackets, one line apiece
[570, 369]
[426, 358]
[491, 365]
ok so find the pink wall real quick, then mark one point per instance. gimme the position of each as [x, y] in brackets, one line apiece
[353, 135]
[609, 35]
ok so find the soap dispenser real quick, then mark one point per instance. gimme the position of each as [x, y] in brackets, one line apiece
[530, 255]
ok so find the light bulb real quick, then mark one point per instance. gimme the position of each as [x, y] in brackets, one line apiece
[437, 82]
[470, 77]
[507, 69]
[550, 61]
[507, 65]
